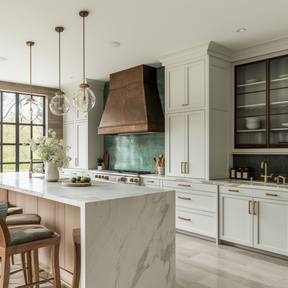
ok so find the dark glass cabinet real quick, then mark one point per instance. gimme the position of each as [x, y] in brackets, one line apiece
[261, 104]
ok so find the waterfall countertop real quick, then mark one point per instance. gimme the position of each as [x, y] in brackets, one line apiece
[76, 196]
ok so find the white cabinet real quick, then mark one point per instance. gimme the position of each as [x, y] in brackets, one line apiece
[185, 141]
[235, 219]
[80, 129]
[256, 222]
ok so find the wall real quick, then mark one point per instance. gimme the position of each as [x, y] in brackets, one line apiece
[277, 164]
[136, 152]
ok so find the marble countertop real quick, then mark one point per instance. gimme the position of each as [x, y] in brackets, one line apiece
[225, 182]
[76, 196]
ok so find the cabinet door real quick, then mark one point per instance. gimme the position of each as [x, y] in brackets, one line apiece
[195, 144]
[175, 88]
[81, 115]
[236, 219]
[69, 117]
[175, 144]
[81, 155]
[271, 225]
[195, 85]
[68, 136]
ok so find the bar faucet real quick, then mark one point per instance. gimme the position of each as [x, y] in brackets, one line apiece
[278, 179]
[265, 176]
[31, 167]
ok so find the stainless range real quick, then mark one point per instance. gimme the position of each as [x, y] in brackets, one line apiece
[119, 176]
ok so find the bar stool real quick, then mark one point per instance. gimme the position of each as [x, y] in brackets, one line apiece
[27, 239]
[77, 257]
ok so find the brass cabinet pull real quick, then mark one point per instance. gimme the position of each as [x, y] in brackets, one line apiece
[250, 201]
[185, 167]
[233, 190]
[184, 104]
[182, 167]
[268, 194]
[183, 185]
[184, 198]
[150, 181]
[182, 218]
[255, 202]
[75, 161]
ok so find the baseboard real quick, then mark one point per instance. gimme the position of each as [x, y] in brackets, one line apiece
[211, 239]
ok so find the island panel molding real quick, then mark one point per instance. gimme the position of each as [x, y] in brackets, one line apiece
[52, 121]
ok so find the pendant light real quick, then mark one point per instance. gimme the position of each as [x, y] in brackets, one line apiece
[30, 109]
[84, 99]
[59, 104]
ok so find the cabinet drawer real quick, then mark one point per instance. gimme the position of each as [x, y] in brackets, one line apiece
[151, 182]
[200, 222]
[72, 173]
[261, 193]
[197, 200]
[189, 185]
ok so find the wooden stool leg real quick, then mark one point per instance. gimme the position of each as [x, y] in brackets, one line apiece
[12, 260]
[77, 266]
[23, 265]
[55, 265]
[29, 270]
[5, 271]
[35, 265]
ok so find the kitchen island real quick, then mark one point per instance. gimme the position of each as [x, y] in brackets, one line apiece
[127, 231]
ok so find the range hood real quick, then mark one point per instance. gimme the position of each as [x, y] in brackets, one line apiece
[133, 104]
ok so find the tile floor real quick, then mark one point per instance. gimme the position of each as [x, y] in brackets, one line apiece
[202, 264]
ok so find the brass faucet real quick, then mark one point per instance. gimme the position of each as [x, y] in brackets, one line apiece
[265, 176]
[278, 177]
[31, 167]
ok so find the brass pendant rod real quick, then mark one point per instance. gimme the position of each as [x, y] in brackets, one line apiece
[59, 65]
[30, 73]
[83, 49]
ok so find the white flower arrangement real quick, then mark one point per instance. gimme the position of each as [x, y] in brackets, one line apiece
[50, 149]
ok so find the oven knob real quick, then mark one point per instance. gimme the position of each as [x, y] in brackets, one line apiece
[119, 179]
[96, 176]
[131, 180]
[103, 177]
[135, 180]
[106, 177]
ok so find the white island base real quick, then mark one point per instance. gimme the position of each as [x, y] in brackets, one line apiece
[127, 231]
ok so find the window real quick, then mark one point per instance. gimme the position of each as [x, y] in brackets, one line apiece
[15, 129]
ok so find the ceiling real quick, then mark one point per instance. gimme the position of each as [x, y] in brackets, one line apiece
[146, 30]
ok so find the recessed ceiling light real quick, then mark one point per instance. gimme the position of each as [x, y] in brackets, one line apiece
[2, 59]
[241, 30]
[111, 44]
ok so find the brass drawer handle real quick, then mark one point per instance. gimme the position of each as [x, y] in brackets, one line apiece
[268, 194]
[150, 181]
[73, 173]
[186, 219]
[233, 190]
[184, 198]
[182, 167]
[183, 185]
[184, 104]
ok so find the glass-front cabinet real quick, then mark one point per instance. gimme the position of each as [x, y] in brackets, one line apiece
[261, 104]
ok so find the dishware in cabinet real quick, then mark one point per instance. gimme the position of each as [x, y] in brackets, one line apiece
[185, 141]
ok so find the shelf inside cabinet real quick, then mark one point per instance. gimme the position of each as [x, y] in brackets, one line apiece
[252, 105]
[278, 79]
[249, 131]
[251, 84]
[278, 129]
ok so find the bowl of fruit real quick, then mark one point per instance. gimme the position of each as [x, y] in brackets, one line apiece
[78, 181]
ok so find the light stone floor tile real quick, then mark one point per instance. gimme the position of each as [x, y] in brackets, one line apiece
[281, 284]
[214, 281]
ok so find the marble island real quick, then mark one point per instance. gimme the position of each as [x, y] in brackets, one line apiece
[127, 231]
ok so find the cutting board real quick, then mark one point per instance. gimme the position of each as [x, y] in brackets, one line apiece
[106, 160]
[77, 184]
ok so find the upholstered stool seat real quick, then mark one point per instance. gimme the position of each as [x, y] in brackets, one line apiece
[23, 219]
[24, 234]
[14, 210]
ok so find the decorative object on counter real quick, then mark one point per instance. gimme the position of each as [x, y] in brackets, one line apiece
[246, 174]
[106, 160]
[253, 123]
[233, 173]
[53, 152]
[159, 163]
[59, 104]
[30, 109]
[100, 164]
[76, 184]
[84, 99]
[239, 173]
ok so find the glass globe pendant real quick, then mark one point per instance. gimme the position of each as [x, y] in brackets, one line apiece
[84, 99]
[30, 110]
[59, 104]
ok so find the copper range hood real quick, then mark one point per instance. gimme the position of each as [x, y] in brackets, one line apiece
[133, 104]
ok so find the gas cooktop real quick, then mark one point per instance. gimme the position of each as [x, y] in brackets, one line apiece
[120, 171]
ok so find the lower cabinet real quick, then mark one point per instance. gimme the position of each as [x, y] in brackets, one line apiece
[254, 222]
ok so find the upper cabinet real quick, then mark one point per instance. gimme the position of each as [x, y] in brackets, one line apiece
[186, 86]
[261, 104]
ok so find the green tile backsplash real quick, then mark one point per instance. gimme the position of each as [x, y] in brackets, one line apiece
[277, 164]
[136, 152]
